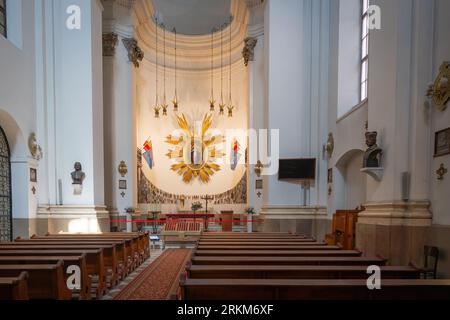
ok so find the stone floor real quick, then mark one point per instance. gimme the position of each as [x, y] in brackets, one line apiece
[153, 255]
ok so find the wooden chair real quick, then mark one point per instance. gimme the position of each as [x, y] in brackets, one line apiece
[430, 267]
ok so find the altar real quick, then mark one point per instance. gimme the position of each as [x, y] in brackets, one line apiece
[190, 215]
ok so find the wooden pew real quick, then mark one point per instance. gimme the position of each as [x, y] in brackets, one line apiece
[267, 238]
[120, 248]
[134, 245]
[274, 247]
[109, 254]
[143, 238]
[250, 234]
[80, 260]
[46, 281]
[95, 263]
[295, 272]
[326, 261]
[259, 242]
[292, 289]
[126, 252]
[14, 288]
[278, 253]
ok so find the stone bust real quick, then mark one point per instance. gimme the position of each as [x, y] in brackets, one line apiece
[372, 156]
[78, 175]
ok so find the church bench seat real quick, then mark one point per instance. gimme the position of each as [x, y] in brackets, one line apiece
[294, 289]
[79, 260]
[295, 272]
[120, 245]
[278, 253]
[46, 281]
[143, 238]
[127, 252]
[109, 254]
[95, 264]
[140, 241]
[329, 261]
[260, 243]
[271, 247]
[14, 288]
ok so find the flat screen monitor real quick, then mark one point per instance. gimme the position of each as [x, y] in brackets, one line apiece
[297, 169]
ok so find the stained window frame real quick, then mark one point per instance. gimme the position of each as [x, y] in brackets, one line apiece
[3, 10]
[364, 51]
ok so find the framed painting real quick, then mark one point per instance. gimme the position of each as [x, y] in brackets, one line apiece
[442, 142]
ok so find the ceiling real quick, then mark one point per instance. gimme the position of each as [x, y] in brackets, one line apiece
[193, 17]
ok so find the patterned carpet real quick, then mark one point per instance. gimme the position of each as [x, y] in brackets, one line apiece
[159, 280]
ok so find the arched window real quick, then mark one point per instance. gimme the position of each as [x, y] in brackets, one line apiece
[364, 49]
[3, 30]
[5, 190]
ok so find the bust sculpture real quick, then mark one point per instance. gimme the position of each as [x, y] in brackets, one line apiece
[78, 175]
[372, 156]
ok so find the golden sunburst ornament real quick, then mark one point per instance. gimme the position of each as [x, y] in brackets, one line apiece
[195, 152]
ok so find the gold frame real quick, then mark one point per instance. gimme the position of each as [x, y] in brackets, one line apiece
[439, 91]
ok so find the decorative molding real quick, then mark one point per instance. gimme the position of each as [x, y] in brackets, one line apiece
[194, 51]
[135, 54]
[249, 49]
[441, 172]
[110, 41]
[439, 91]
[375, 173]
[253, 3]
[399, 213]
[149, 193]
[293, 212]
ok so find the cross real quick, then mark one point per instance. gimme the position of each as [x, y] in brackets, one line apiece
[441, 172]
[207, 198]
[259, 194]
[33, 190]
[122, 194]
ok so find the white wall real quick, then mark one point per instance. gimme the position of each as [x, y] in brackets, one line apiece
[440, 120]
[297, 53]
[17, 101]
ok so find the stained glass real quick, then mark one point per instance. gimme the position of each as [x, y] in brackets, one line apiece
[5, 190]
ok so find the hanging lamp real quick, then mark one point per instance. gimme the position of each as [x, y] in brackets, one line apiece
[175, 99]
[222, 104]
[230, 101]
[164, 104]
[212, 101]
[157, 107]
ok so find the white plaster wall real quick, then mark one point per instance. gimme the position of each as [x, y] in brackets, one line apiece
[79, 102]
[17, 101]
[298, 66]
[440, 120]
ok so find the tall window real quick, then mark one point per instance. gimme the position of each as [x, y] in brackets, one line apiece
[364, 49]
[3, 18]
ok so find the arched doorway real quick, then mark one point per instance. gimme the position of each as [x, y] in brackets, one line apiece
[5, 190]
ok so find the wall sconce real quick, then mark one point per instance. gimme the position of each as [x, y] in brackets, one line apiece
[123, 169]
[441, 172]
[439, 91]
[258, 168]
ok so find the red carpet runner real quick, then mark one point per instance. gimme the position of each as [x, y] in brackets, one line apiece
[159, 280]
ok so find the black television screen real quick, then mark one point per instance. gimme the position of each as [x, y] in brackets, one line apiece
[301, 169]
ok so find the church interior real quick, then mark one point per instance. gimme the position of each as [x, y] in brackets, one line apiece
[224, 150]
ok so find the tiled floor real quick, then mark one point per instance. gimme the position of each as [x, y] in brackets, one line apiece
[153, 255]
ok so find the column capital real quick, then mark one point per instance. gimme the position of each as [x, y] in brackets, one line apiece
[109, 44]
[249, 49]
[135, 54]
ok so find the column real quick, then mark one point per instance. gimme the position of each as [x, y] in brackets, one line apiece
[74, 130]
[397, 216]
